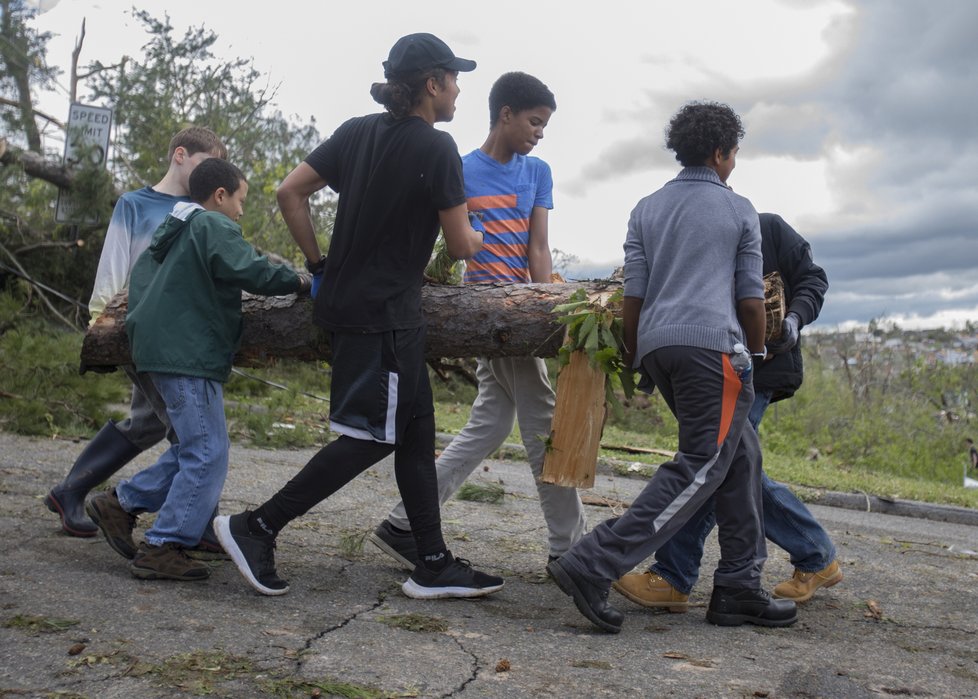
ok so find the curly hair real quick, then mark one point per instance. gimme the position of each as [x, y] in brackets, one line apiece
[401, 93]
[700, 128]
[212, 174]
[518, 91]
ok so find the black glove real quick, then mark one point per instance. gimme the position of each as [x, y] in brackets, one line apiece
[790, 327]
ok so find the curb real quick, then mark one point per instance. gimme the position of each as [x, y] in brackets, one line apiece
[863, 502]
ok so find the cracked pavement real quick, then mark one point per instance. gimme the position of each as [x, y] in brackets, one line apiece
[73, 622]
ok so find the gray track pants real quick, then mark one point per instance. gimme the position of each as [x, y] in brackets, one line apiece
[510, 388]
[148, 422]
[716, 455]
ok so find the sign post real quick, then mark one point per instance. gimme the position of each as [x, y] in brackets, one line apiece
[88, 135]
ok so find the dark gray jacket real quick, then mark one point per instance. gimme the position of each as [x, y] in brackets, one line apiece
[805, 284]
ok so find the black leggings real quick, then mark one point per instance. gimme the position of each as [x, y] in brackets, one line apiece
[341, 461]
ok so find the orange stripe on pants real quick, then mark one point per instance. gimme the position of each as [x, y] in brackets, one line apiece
[731, 389]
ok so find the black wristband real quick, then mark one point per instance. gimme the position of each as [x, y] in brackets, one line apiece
[316, 267]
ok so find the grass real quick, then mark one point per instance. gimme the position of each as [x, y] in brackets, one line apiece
[351, 544]
[200, 672]
[289, 688]
[828, 475]
[481, 492]
[214, 672]
[418, 623]
[881, 438]
[39, 624]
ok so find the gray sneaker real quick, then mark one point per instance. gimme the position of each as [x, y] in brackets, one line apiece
[116, 524]
[399, 546]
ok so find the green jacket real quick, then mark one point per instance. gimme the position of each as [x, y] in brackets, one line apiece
[185, 294]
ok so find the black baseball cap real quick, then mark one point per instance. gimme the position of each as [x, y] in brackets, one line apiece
[416, 52]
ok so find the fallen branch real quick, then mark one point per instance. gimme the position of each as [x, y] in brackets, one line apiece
[638, 450]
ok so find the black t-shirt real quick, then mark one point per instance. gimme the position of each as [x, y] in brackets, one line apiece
[393, 176]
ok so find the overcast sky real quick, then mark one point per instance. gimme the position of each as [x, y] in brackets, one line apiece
[860, 115]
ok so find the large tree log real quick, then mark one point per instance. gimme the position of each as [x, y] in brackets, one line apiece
[474, 320]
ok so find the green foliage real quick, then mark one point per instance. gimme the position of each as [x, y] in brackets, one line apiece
[41, 392]
[419, 623]
[39, 624]
[351, 544]
[596, 329]
[178, 82]
[893, 426]
[22, 68]
[442, 269]
[200, 672]
[481, 492]
[266, 416]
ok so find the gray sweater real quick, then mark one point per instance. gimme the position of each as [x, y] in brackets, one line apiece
[693, 250]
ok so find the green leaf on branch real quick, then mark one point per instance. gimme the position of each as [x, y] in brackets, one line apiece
[598, 332]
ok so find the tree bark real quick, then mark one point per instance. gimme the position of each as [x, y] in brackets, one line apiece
[474, 320]
[36, 165]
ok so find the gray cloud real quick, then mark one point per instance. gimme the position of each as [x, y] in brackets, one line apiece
[901, 87]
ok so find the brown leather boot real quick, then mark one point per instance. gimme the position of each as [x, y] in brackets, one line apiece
[802, 585]
[651, 590]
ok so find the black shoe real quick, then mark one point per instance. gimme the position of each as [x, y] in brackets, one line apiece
[253, 555]
[106, 453]
[591, 600]
[401, 547]
[733, 606]
[457, 579]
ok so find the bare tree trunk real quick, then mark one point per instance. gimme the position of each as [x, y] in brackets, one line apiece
[75, 54]
[474, 320]
[14, 55]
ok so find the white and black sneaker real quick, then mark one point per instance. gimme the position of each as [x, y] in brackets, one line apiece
[253, 555]
[457, 579]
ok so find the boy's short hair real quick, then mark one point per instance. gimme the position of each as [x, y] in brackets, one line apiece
[700, 128]
[211, 175]
[518, 91]
[197, 139]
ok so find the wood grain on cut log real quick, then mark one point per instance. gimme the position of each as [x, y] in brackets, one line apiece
[474, 320]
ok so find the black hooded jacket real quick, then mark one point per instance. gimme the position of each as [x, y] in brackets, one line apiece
[805, 284]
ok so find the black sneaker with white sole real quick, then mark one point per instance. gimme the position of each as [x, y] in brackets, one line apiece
[253, 555]
[397, 544]
[457, 579]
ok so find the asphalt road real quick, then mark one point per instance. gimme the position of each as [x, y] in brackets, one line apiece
[73, 623]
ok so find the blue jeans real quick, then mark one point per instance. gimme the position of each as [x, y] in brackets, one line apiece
[787, 522]
[184, 485]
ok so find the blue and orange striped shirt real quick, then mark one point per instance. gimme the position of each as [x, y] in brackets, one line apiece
[503, 196]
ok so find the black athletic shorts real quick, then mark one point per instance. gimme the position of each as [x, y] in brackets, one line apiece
[379, 383]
